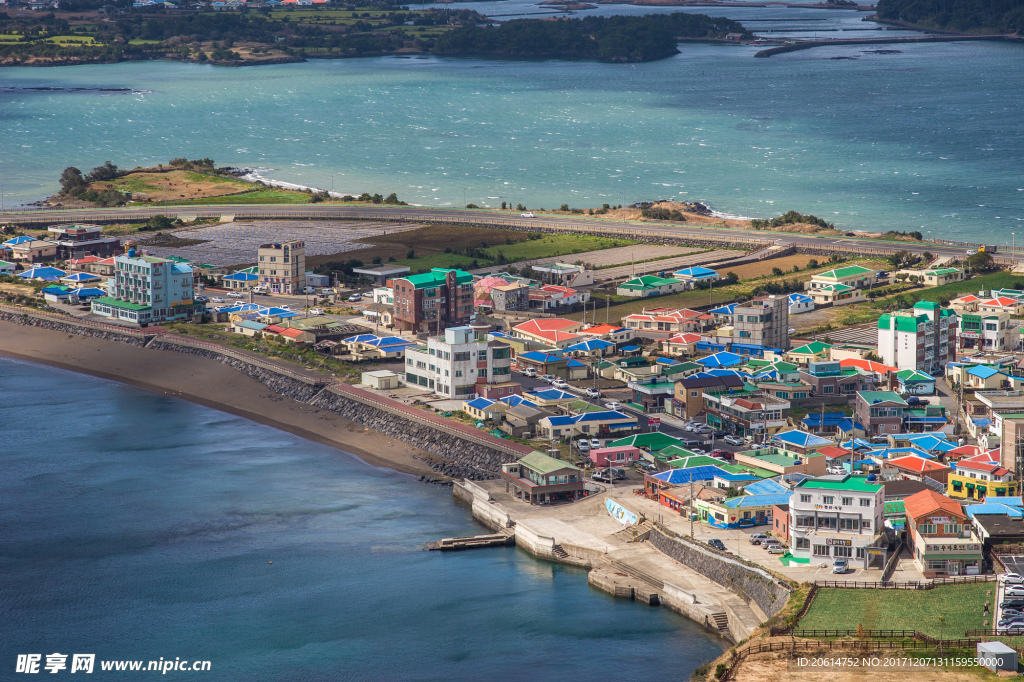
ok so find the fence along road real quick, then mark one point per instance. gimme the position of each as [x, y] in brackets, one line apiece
[736, 238]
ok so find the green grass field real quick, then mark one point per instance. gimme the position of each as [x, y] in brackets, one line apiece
[269, 196]
[961, 605]
[555, 245]
[996, 280]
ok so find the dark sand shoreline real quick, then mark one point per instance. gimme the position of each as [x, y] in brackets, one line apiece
[210, 384]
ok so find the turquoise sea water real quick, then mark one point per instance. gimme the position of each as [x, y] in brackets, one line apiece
[927, 139]
[137, 526]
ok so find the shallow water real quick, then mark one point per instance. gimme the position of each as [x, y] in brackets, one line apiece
[137, 526]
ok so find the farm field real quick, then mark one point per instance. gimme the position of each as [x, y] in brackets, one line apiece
[961, 605]
[764, 268]
[426, 241]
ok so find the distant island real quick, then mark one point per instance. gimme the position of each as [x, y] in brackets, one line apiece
[610, 39]
[967, 16]
[271, 36]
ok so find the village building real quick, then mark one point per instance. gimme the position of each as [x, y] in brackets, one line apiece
[433, 301]
[782, 462]
[650, 285]
[922, 338]
[455, 364]
[282, 267]
[980, 480]
[987, 332]
[148, 289]
[746, 415]
[880, 412]
[76, 241]
[538, 478]
[939, 536]
[838, 517]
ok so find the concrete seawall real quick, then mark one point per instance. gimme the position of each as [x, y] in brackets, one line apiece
[642, 571]
[749, 583]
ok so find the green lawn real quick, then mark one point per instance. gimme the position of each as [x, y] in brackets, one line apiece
[961, 605]
[554, 245]
[269, 196]
[996, 280]
[439, 260]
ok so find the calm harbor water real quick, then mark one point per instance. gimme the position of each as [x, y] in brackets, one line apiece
[921, 137]
[137, 526]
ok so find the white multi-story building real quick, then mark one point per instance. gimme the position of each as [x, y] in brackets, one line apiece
[922, 338]
[837, 517]
[454, 365]
[147, 289]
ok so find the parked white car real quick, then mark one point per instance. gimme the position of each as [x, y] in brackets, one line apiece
[613, 405]
[583, 445]
[235, 294]
[593, 393]
[529, 215]
[529, 372]
[594, 444]
[316, 311]
[217, 299]
[559, 384]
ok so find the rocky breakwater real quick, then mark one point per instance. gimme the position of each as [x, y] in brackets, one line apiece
[274, 379]
[97, 332]
[457, 455]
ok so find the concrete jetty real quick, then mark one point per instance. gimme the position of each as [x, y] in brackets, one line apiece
[641, 563]
[506, 536]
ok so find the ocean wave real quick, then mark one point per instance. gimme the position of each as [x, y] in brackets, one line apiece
[254, 175]
[50, 88]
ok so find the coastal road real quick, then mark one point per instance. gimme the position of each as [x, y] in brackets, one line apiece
[735, 238]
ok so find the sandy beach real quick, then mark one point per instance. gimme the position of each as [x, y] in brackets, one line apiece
[212, 384]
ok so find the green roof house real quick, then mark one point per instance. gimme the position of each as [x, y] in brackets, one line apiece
[650, 285]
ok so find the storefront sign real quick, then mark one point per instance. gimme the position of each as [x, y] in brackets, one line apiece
[838, 543]
[875, 552]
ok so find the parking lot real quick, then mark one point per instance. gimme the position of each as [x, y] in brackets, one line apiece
[1011, 618]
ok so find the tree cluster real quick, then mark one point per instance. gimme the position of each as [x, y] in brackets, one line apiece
[611, 39]
[996, 16]
[791, 218]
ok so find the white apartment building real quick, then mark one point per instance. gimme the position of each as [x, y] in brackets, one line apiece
[922, 338]
[837, 517]
[454, 365]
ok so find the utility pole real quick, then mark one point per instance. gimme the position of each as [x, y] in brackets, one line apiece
[691, 504]
[607, 308]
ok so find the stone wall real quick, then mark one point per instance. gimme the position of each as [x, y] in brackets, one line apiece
[459, 457]
[750, 583]
[302, 391]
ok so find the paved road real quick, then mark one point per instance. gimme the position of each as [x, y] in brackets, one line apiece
[733, 237]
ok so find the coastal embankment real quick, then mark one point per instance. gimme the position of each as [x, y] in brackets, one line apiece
[647, 562]
[808, 44]
[317, 407]
[659, 569]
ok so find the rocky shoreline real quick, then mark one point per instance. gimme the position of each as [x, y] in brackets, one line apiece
[442, 448]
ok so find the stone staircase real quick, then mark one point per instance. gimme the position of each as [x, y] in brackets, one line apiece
[720, 621]
[638, 533]
[559, 553]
